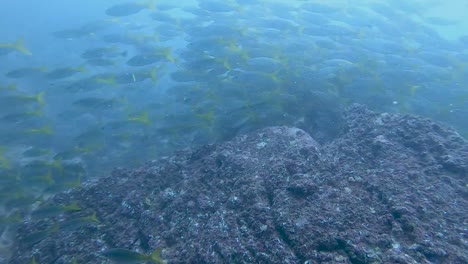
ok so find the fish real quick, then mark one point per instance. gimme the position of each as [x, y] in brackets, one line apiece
[20, 100]
[44, 130]
[86, 30]
[18, 45]
[141, 118]
[144, 60]
[58, 187]
[103, 52]
[41, 179]
[75, 223]
[82, 85]
[151, 57]
[65, 72]
[90, 136]
[33, 152]
[106, 79]
[34, 238]
[66, 155]
[75, 169]
[186, 75]
[94, 103]
[53, 210]
[163, 17]
[101, 62]
[71, 33]
[16, 118]
[137, 76]
[263, 64]
[120, 255]
[39, 165]
[9, 87]
[123, 38]
[25, 72]
[22, 200]
[129, 8]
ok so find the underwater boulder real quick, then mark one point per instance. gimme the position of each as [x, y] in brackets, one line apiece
[390, 189]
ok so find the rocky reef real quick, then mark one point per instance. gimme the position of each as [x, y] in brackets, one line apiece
[390, 189]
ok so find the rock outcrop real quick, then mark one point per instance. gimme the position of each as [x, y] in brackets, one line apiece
[391, 189]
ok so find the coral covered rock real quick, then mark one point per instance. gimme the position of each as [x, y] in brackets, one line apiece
[390, 189]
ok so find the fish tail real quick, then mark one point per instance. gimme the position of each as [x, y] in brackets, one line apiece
[168, 55]
[40, 98]
[47, 178]
[81, 68]
[19, 46]
[93, 218]
[145, 119]
[154, 77]
[46, 130]
[156, 257]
